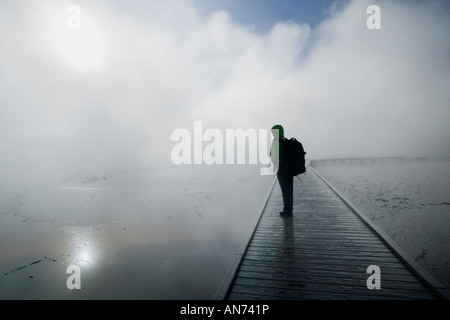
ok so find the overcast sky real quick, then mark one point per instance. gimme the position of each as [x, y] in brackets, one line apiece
[108, 96]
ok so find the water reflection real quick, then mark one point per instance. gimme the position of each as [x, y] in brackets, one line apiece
[288, 241]
[163, 234]
[83, 247]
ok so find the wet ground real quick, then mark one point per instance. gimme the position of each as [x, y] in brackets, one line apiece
[165, 234]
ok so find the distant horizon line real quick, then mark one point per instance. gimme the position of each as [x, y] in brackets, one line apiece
[381, 159]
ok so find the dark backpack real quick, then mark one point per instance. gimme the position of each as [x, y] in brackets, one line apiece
[294, 157]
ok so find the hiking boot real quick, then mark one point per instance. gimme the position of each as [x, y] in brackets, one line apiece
[285, 214]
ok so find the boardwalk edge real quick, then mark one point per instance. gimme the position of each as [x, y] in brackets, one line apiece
[224, 288]
[437, 287]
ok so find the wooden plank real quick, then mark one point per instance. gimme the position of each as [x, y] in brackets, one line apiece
[326, 250]
[360, 244]
[324, 255]
[325, 291]
[357, 272]
[329, 264]
[349, 277]
[411, 290]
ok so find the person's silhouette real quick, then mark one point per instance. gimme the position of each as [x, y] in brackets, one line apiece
[285, 179]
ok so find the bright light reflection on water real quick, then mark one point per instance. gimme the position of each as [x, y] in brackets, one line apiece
[84, 250]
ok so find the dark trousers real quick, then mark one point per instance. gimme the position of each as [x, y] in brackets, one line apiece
[286, 182]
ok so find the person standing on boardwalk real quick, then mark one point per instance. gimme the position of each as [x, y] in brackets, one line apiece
[285, 179]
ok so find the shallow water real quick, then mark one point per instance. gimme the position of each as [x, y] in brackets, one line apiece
[410, 201]
[157, 234]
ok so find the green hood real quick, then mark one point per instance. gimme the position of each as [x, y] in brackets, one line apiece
[278, 131]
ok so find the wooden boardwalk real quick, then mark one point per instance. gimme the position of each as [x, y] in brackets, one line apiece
[323, 252]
